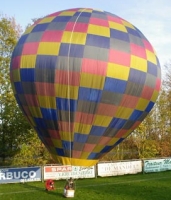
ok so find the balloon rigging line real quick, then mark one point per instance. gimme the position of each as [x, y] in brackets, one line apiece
[68, 92]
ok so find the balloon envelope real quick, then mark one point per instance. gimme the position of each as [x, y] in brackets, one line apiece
[85, 79]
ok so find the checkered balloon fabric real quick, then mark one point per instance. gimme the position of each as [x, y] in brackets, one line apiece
[85, 79]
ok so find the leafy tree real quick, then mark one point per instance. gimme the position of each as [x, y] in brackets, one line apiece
[130, 148]
[144, 140]
[13, 127]
[164, 114]
[32, 153]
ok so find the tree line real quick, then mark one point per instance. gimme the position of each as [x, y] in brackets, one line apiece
[20, 145]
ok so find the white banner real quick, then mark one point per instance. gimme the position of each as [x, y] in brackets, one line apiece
[64, 171]
[119, 168]
[157, 165]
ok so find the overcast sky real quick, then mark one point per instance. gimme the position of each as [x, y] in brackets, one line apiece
[152, 17]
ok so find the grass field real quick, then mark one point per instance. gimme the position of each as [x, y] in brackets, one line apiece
[153, 186]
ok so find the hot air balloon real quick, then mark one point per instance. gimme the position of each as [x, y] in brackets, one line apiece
[84, 79]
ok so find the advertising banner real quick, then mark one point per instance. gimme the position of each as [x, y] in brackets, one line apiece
[16, 175]
[157, 165]
[65, 171]
[119, 168]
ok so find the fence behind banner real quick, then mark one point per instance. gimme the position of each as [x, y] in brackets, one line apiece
[102, 169]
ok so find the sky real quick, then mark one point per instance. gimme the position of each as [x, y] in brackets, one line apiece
[151, 17]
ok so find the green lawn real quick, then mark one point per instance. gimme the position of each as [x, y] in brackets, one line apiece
[153, 186]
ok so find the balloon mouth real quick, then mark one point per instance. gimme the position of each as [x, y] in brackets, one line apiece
[74, 161]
